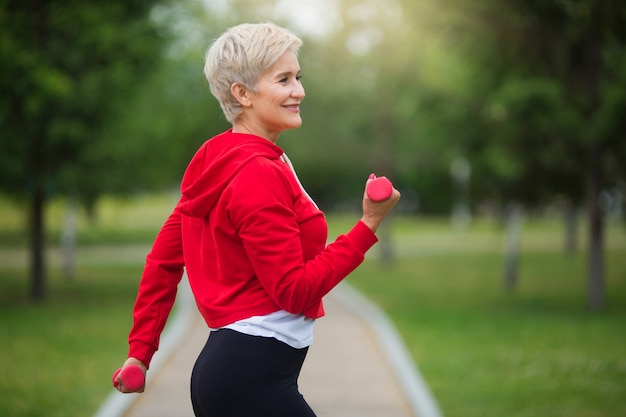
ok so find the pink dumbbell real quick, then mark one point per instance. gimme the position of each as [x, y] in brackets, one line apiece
[132, 377]
[379, 188]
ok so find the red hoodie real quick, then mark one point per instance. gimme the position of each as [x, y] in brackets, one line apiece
[251, 240]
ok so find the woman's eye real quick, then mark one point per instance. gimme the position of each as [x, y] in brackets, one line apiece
[286, 80]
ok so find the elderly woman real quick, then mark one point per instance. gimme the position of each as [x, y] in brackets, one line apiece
[251, 239]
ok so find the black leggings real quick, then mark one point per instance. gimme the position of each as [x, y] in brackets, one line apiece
[237, 375]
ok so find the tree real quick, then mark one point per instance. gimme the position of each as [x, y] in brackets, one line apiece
[554, 106]
[67, 69]
[378, 85]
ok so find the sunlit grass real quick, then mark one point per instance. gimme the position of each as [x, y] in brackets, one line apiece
[134, 219]
[57, 357]
[536, 351]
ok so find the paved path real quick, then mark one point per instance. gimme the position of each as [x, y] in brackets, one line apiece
[349, 371]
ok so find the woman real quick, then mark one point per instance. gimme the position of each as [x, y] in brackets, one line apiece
[251, 239]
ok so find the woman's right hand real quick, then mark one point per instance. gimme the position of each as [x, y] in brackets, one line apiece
[375, 211]
[117, 380]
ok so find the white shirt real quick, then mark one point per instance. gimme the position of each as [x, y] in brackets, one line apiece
[294, 329]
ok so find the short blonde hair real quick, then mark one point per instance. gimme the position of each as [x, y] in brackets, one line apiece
[241, 55]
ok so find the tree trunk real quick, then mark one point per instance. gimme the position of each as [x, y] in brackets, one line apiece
[571, 228]
[595, 278]
[37, 270]
[512, 248]
[68, 237]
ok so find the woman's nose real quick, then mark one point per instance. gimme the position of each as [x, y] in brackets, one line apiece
[298, 91]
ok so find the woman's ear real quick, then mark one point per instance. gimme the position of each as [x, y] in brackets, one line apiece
[241, 94]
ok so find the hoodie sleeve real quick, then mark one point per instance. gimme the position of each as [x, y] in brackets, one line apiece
[157, 290]
[266, 222]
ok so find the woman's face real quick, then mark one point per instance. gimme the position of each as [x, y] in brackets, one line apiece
[276, 104]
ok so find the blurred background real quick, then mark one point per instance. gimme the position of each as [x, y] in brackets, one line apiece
[502, 123]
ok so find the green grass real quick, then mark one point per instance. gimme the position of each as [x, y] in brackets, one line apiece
[131, 220]
[57, 357]
[536, 351]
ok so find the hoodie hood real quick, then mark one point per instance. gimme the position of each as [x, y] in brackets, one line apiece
[214, 165]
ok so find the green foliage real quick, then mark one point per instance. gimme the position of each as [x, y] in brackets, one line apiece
[401, 89]
[531, 150]
[555, 85]
[164, 124]
[68, 69]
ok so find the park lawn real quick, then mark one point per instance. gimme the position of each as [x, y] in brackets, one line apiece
[57, 357]
[535, 352]
[484, 352]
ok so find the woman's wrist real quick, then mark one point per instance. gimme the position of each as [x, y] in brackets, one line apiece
[371, 223]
